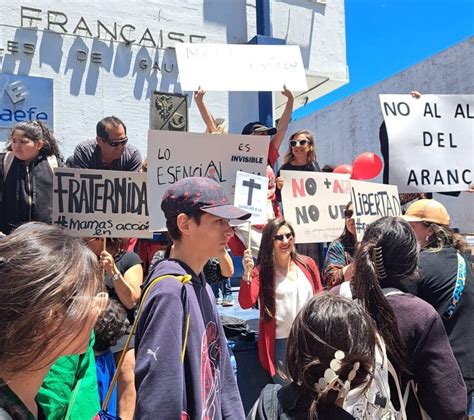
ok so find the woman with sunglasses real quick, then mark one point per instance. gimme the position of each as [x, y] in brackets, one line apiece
[51, 294]
[282, 282]
[338, 266]
[26, 175]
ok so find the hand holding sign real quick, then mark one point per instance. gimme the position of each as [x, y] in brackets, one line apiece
[247, 262]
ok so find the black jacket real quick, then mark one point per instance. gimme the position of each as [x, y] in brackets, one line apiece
[26, 194]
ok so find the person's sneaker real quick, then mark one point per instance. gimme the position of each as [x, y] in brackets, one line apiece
[228, 301]
[219, 300]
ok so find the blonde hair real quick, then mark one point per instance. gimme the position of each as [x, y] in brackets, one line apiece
[49, 281]
[311, 155]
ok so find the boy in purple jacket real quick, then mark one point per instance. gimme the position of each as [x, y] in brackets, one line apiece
[202, 385]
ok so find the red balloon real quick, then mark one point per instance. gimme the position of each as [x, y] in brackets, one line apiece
[343, 169]
[366, 166]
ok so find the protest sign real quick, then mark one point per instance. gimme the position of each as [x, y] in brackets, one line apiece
[314, 203]
[222, 67]
[101, 203]
[173, 156]
[251, 195]
[371, 201]
[431, 141]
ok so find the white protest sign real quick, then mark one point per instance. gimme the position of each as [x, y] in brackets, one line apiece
[222, 67]
[101, 203]
[174, 155]
[314, 203]
[431, 141]
[371, 201]
[251, 195]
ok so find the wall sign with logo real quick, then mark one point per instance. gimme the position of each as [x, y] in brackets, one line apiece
[25, 98]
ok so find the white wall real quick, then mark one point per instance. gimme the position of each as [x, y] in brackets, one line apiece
[85, 91]
[351, 126]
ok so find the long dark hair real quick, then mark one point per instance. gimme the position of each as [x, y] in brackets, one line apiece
[328, 323]
[444, 237]
[266, 263]
[386, 257]
[35, 131]
[346, 238]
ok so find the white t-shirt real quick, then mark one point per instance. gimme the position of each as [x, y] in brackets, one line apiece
[291, 294]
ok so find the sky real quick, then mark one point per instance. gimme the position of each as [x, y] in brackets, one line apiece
[384, 37]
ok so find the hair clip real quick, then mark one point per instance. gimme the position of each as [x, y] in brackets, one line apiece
[377, 259]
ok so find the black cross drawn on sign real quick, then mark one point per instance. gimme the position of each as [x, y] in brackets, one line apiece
[252, 185]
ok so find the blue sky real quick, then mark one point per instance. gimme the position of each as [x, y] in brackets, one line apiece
[384, 37]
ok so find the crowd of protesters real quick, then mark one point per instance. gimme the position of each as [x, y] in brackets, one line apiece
[87, 323]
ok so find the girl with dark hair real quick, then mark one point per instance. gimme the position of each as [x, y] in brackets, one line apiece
[50, 297]
[123, 279]
[338, 266]
[283, 281]
[446, 281]
[26, 175]
[321, 339]
[417, 344]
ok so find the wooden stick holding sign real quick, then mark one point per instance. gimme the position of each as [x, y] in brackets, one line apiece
[251, 195]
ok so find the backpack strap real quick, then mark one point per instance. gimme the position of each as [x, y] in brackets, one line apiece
[458, 288]
[391, 291]
[7, 163]
[402, 399]
[183, 280]
[53, 163]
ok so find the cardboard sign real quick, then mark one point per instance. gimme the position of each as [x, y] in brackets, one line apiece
[371, 202]
[251, 195]
[222, 67]
[431, 141]
[173, 156]
[314, 203]
[101, 203]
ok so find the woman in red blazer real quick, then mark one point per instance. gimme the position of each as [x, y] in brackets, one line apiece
[283, 281]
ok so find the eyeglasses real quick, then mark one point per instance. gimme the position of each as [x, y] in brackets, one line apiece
[348, 214]
[294, 143]
[116, 142]
[288, 236]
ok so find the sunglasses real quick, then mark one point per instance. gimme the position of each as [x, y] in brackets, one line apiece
[288, 236]
[294, 143]
[116, 142]
[348, 214]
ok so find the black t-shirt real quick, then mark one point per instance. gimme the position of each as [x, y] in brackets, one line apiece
[438, 272]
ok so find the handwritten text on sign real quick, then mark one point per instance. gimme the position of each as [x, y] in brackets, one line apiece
[223, 67]
[371, 202]
[176, 155]
[251, 195]
[101, 203]
[431, 141]
[314, 203]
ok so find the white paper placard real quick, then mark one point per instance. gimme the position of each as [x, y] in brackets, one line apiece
[371, 202]
[251, 195]
[101, 203]
[431, 141]
[176, 155]
[235, 67]
[314, 204]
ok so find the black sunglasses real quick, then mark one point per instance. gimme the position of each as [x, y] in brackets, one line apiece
[348, 214]
[294, 143]
[288, 236]
[117, 142]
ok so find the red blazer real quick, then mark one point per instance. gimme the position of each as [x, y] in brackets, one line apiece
[248, 296]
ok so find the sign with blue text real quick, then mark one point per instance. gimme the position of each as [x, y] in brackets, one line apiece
[314, 204]
[431, 142]
[251, 195]
[174, 155]
[371, 201]
[101, 203]
[25, 98]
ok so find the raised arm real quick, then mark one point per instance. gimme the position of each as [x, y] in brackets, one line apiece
[205, 114]
[285, 119]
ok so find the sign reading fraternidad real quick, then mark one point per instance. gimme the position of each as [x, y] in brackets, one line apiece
[251, 195]
[101, 203]
[225, 67]
[431, 141]
[314, 203]
[371, 201]
[174, 155]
